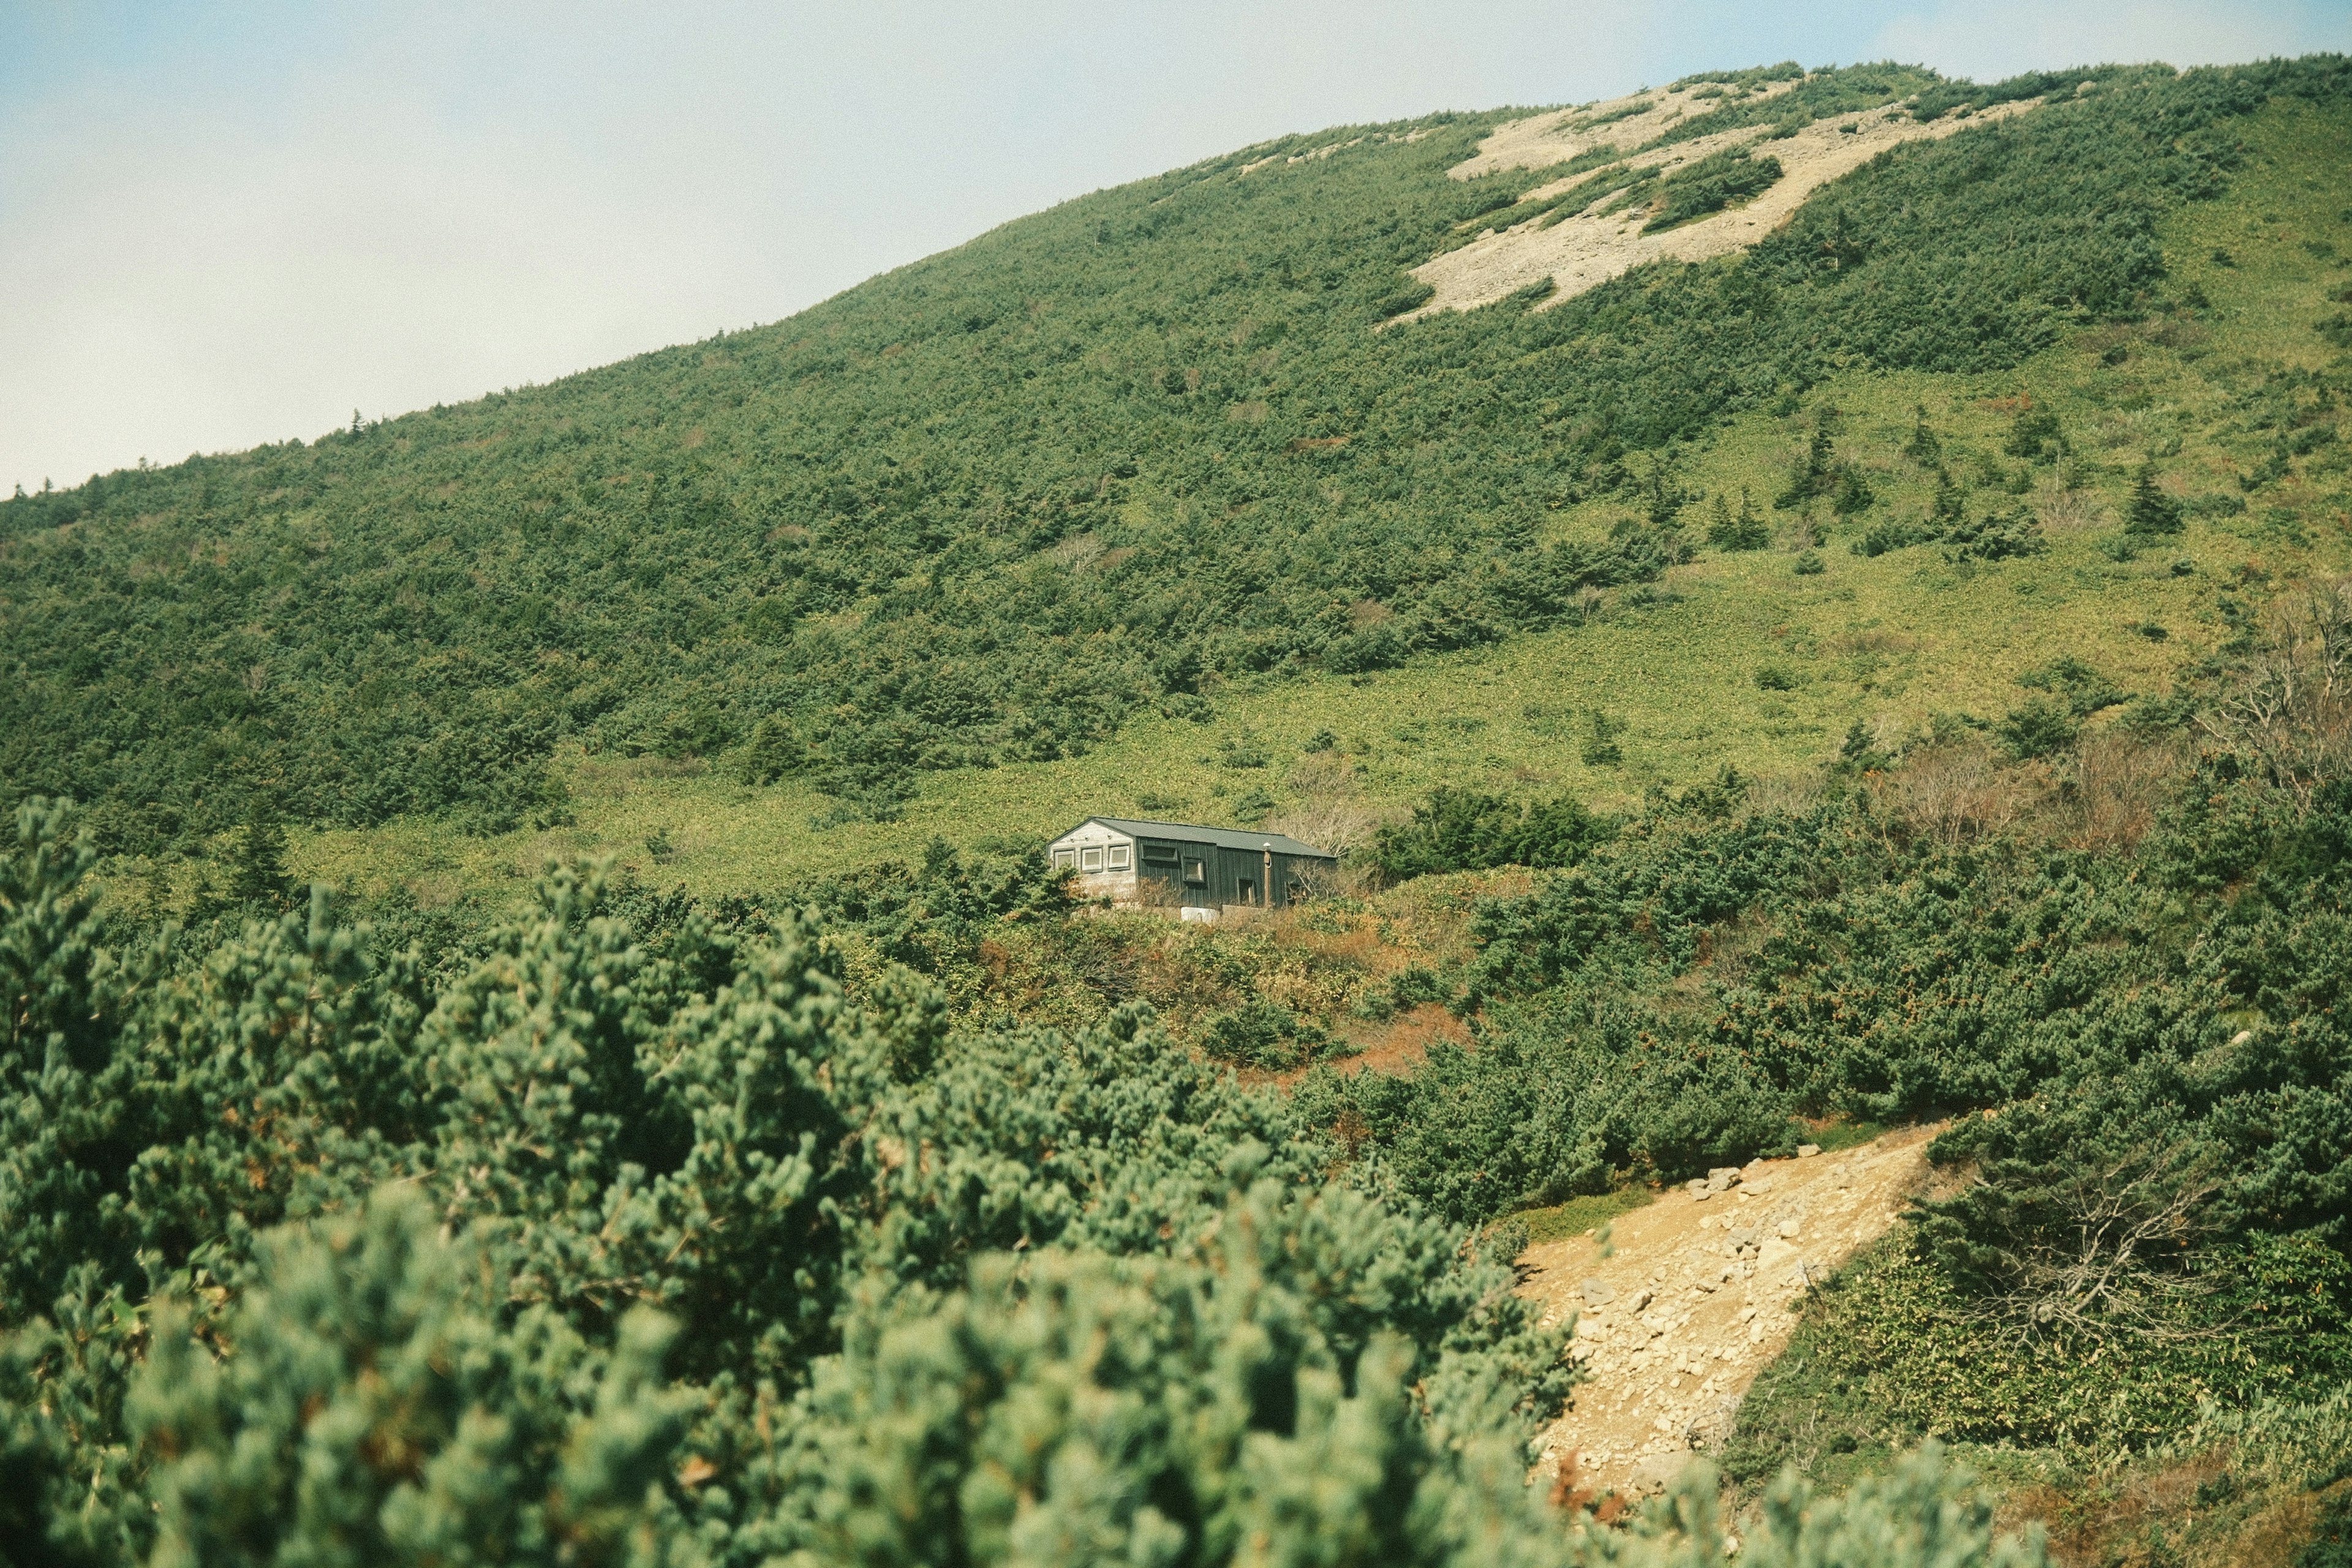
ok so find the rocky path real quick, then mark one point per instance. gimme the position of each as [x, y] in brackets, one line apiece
[1697, 1297]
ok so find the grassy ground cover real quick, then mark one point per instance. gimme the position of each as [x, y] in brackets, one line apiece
[1579, 1217]
[1889, 641]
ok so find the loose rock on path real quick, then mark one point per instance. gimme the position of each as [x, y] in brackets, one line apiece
[1699, 1296]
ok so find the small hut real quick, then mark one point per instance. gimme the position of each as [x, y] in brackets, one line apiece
[1198, 871]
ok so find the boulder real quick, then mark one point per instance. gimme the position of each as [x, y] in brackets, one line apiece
[1598, 1292]
[1657, 1472]
[1807, 1150]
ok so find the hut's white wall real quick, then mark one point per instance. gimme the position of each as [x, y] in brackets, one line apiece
[1103, 859]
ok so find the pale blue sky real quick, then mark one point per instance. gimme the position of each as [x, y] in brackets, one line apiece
[226, 224]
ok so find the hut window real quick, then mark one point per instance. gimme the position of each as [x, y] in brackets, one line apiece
[1196, 873]
[1065, 859]
[1160, 854]
[1090, 859]
[1122, 857]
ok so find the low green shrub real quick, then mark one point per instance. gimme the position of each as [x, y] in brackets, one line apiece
[1711, 184]
[1467, 830]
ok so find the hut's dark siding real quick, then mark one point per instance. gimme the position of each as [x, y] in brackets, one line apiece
[1209, 868]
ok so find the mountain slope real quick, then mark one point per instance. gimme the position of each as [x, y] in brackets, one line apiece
[993, 507]
[2241, 395]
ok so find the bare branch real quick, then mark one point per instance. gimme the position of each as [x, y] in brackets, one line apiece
[2113, 1260]
[2291, 709]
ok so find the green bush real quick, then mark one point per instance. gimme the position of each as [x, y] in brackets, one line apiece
[2086, 690]
[2034, 434]
[1742, 531]
[1601, 748]
[2037, 728]
[1225, 1403]
[1711, 184]
[375, 1409]
[1891, 534]
[1466, 830]
[641, 1195]
[1996, 536]
[1260, 1034]
[877, 1241]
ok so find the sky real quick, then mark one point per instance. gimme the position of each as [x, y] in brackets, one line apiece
[227, 224]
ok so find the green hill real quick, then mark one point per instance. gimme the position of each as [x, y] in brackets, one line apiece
[1148, 461]
[1905, 658]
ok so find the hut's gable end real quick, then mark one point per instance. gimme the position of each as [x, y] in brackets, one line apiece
[1093, 849]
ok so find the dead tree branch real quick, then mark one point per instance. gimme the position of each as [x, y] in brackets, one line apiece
[2291, 709]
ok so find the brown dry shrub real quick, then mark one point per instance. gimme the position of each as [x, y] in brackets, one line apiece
[2291, 708]
[1785, 794]
[1330, 812]
[2119, 782]
[1959, 790]
[2064, 510]
[1157, 893]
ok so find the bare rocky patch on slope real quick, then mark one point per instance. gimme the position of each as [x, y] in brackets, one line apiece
[1602, 240]
[1697, 1295]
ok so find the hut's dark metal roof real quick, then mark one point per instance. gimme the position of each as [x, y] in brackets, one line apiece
[1223, 838]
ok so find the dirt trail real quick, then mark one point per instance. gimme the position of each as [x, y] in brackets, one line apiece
[1588, 248]
[1674, 1326]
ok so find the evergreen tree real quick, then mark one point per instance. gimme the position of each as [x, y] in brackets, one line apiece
[257, 873]
[1742, 531]
[2035, 435]
[2151, 511]
[1601, 747]
[1815, 474]
[376, 1410]
[776, 750]
[1946, 512]
[1854, 493]
[1753, 534]
[1858, 754]
[1923, 447]
[2038, 728]
[1661, 495]
[1469, 830]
